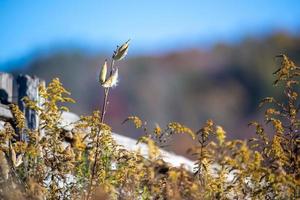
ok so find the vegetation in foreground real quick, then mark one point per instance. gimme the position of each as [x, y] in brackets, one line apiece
[86, 163]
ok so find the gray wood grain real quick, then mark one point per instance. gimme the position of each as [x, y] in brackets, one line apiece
[6, 88]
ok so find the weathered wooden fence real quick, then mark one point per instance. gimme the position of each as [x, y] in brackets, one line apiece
[13, 89]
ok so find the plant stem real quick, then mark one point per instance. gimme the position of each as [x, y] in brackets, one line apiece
[104, 106]
[94, 168]
[103, 112]
[106, 92]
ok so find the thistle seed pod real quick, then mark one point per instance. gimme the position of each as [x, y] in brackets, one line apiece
[102, 76]
[112, 80]
[121, 51]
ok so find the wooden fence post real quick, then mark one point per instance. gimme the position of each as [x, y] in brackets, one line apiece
[28, 86]
[6, 88]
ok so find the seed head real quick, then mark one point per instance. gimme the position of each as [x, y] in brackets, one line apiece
[112, 80]
[103, 72]
[121, 51]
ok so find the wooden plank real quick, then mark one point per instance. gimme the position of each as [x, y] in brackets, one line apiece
[28, 87]
[130, 144]
[6, 88]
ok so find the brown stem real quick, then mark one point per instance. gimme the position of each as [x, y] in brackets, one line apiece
[104, 106]
[106, 92]
[94, 167]
[103, 112]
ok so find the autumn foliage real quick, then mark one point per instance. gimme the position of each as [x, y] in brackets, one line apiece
[85, 162]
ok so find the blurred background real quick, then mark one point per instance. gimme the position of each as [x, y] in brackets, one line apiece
[188, 61]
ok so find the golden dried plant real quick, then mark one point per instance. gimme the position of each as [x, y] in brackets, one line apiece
[86, 163]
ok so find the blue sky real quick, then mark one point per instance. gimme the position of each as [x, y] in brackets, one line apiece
[152, 25]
